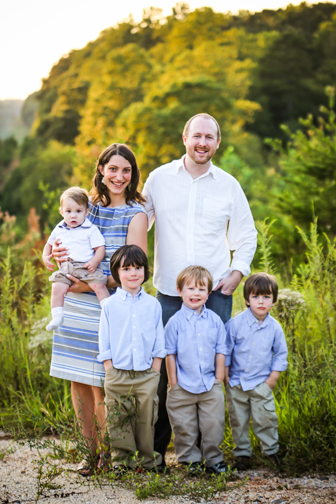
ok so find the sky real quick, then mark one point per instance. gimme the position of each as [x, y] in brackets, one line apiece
[35, 34]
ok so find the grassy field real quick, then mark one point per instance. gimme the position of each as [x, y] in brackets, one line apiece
[33, 404]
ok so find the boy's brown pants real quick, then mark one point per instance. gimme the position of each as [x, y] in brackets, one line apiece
[131, 412]
[190, 413]
[259, 404]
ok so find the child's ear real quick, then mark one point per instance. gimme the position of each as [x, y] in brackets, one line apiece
[61, 211]
[87, 212]
[179, 292]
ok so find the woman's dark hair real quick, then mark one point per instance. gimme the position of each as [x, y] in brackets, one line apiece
[99, 190]
[128, 255]
[260, 283]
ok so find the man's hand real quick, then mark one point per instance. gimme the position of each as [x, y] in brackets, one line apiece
[91, 266]
[49, 265]
[229, 285]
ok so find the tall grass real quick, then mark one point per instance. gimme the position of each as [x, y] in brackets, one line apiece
[33, 403]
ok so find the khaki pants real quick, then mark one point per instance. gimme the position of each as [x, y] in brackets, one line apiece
[77, 270]
[191, 413]
[131, 412]
[259, 404]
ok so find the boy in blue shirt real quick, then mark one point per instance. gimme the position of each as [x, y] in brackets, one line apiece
[131, 344]
[257, 354]
[195, 345]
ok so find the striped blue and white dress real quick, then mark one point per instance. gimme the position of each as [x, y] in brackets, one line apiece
[75, 343]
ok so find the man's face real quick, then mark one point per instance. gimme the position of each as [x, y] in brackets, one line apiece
[201, 142]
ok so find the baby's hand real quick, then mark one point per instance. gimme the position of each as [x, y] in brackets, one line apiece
[91, 266]
[46, 259]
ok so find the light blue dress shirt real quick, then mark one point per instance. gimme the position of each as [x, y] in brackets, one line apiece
[254, 350]
[131, 331]
[195, 340]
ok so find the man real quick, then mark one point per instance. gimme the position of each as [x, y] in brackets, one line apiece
[201, 214]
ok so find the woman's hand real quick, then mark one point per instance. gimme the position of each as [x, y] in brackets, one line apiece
[59, 253]
[78, 286]
[111, 283]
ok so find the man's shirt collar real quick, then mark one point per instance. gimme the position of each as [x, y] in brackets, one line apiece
[179, 165]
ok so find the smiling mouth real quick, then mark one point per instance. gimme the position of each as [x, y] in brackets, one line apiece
[201, 151]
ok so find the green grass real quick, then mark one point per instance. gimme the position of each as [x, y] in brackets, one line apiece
[33, 404]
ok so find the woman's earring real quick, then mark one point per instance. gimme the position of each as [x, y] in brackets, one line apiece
[103, 181]
[128, 188]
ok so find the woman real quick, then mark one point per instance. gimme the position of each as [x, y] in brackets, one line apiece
[117, 211]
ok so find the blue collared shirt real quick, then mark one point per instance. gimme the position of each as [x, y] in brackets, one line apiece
[254, 350]
[131, 331]
[195, 340]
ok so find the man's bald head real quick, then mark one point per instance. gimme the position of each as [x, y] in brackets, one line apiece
[204, 116]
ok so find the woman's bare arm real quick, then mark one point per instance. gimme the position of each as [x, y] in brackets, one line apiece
[137, 231]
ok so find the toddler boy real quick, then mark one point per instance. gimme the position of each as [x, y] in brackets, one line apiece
[86, 247]
[195, 344]
[257, 354]
[131, 344]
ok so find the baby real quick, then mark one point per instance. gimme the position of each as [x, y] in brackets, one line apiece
[86, 247]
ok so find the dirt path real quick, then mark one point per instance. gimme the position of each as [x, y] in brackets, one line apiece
[20, 482]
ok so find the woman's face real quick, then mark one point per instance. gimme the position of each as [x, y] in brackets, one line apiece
[117, 174]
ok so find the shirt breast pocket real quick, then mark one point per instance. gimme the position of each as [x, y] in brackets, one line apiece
[147, 324]
[215, 212]
[211, 337]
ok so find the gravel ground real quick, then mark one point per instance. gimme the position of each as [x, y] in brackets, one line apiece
[19, 483]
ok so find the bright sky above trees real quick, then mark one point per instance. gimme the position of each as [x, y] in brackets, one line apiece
[35, 34]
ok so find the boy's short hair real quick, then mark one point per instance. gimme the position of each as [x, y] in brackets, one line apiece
[260, 283]
[196, 273]
[128, 255]
[81, 196]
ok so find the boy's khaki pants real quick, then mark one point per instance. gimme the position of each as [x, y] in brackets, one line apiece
[259, 404]
[131, 412]
[190, 413]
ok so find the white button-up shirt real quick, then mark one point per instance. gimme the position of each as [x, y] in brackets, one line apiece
[197, 222]
[80, 241]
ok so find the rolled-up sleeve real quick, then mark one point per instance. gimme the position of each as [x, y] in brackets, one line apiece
[229, 328]
[279, 361]
[104, 337]
[171, 337]
[242, 234]
[221, 340]
[159, 344]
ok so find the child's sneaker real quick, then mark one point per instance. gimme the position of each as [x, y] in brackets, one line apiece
[219, 468]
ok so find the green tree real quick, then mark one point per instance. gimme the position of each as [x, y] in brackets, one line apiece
[308, 165]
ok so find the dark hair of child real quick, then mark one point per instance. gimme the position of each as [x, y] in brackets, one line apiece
[128, 255]
[260, 283]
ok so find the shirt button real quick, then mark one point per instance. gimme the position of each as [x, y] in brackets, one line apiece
[134, 316]
[134, 327]
[198, 335]
[250, 356]
[134, 350]
[134, 339]
[200, 348]
[246, 369]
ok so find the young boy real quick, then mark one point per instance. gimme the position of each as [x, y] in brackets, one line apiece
[195, 344]
[131, 344]
[86, 247]
[257, 354]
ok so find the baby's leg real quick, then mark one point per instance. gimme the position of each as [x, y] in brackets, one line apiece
[100, 290]
[58, 291]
